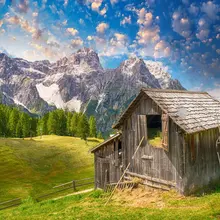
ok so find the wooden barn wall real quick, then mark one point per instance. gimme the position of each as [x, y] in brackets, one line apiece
[163, 165]
[106, 157]
[201, 165]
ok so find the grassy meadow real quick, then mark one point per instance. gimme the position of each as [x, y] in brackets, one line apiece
[33, 167]
[128, 204]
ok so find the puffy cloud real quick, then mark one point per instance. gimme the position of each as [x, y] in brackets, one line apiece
[162, 49]
[145, 18]
[96, 6]
[102, 27]
[114, 1]
[148, 32]
[210, 9]
[77, 42]
[23, 6]
[203, 29]
[81, 21]
[1, 23]
[89, 38]
[35, 14]
[126, 20]
[193, 9]
[65, 3]
[146, 36]
[2, 2]
[12, 20]
[202, 34]
[181, 25]
[119, 40]
[72, 31]
[24, 24]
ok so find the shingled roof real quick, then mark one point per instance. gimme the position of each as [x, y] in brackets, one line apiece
[192, 111]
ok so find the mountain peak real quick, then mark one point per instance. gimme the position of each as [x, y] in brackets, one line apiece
[85, 56]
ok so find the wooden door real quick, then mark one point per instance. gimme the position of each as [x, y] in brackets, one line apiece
[103, 172]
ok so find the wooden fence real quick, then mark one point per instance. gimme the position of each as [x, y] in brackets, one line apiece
[62, 187]
[10, 203]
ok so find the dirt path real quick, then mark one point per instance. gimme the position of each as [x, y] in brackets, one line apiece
[76, 193]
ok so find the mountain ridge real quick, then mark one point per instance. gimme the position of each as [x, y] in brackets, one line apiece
[80, 83]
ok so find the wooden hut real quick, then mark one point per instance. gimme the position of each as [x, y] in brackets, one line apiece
[181, 142]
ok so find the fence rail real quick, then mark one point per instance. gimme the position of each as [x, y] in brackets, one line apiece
[10, 203]
[72, 185]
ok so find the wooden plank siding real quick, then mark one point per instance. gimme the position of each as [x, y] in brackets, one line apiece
[202, 166]
[107, 154]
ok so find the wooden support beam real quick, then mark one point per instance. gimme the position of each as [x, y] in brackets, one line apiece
[164, 182]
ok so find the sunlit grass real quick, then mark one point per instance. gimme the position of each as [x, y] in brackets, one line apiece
[165, 205]
[32, 167]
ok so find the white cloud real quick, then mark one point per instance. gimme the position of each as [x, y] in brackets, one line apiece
[72, 31]
[202, 34]
[89, 38]
[65, 3]
[210, 9]
[96, 6]
[77, 42]
[25, 25]
[146, 36]
[148, 32]
[2, 2]
[181, 25]
[81, 21]
[102, 27]
[162, 49]
[126, 20]
[203, 29]
[145, 18]
[1, 23]
[193, 9]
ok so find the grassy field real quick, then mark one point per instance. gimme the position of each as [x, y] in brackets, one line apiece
[33, 167]
[135, 204]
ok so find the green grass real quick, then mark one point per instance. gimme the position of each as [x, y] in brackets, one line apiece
[33, 167]
[155, 137]
[166, 205]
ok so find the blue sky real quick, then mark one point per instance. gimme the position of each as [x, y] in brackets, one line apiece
[183, 34]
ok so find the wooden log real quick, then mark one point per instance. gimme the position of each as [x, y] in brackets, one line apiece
[164, 182]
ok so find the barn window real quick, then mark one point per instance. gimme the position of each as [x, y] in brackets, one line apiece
[154, 130]
[157, 130]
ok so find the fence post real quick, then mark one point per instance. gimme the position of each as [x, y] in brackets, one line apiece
[74, 185]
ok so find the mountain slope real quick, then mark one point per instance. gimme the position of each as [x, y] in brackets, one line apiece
[79, 83]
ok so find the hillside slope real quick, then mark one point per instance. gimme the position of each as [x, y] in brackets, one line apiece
[32, 167]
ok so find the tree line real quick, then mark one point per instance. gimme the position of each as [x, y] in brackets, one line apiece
[15, 123]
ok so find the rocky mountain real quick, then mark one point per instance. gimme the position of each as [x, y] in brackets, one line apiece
[79, 83]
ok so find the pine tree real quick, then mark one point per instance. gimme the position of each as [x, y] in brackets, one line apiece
[92, 127]
[52, 123]
[19, 132]
[1, 122]
[99, 136]
[74, 124]
[62, 122]
[83, 127]
[68, 122]
[25, 122]
[13, 120]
